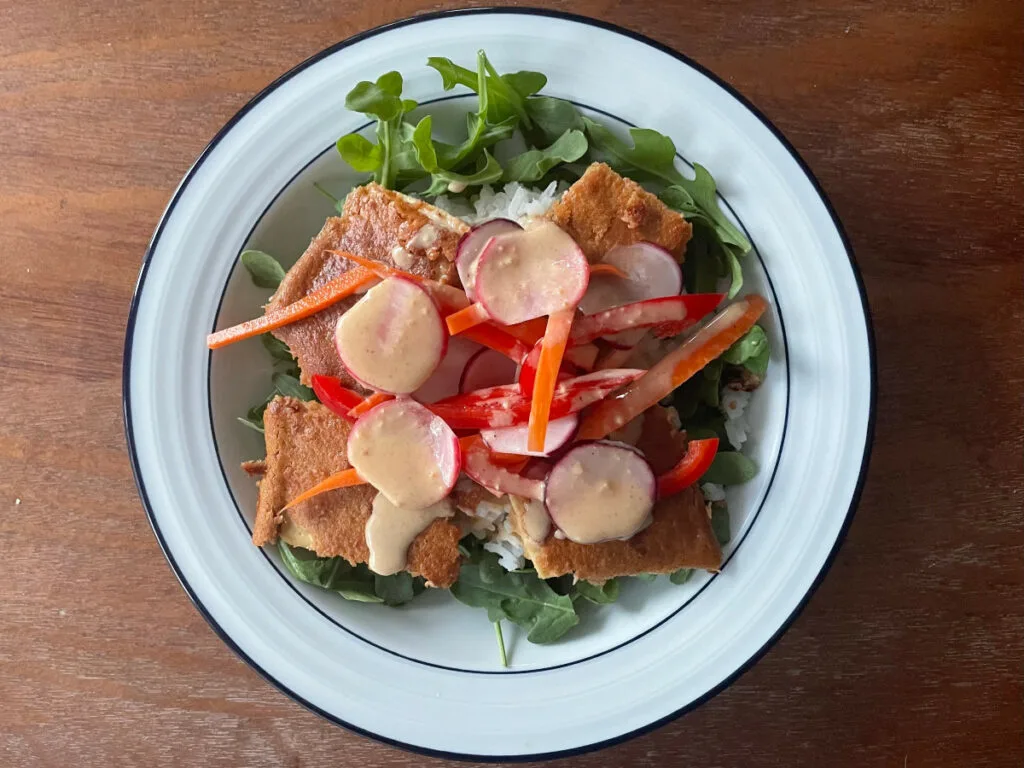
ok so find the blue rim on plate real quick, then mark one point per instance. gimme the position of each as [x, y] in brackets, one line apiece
[126, 388]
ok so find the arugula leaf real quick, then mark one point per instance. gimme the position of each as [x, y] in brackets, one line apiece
[507, 93]
[252, 423]
[339, 203]
[551, 118]
[289, 386]
[265, 270]
[277, 348]
[709, 383]
[423, 145]
[729, 468]
[389, 156]
[526, 83]
[488, 170]
[758, 364]
[599, 594]
[353, 582]
[501, 644]
[697, 198]
[652, 155]
[681, 576]
[451, 73]
[720, 522]
[751, 344]
[361, 153]
[535, 163]
[522, 598]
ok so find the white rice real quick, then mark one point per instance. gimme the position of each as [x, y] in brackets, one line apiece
[512, 201]
[733, 403]
[507, 546]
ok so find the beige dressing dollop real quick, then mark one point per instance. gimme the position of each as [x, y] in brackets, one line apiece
[391, 530]
[536, 522]
[605, 494]
[391, 454]
[392, 338]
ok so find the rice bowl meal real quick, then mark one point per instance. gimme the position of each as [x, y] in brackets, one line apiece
[515, 366]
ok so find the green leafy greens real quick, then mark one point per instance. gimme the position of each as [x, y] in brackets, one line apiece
[353, 582]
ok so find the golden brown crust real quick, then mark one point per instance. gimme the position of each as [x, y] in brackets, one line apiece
[375, 221]
[305, 444]
[603, 209]
[679, 536]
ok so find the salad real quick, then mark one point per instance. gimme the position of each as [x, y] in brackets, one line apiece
[514, 366]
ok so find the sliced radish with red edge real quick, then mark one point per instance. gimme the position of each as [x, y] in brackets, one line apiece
[514, 439]
[487, 368]
[393, 338]
[471, 244]
[496, 479]
[600, 491]
[445, 381]
[405, 452]
[530, 273]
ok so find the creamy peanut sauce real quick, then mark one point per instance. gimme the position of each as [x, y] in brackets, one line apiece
[391, 530]
[393, 452]
[401, 257]
[529, 273]
[602, 491]
[533, 513]
[392, 338]
[424, 238]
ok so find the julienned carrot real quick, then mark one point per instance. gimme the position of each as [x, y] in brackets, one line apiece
[552, 348]
[315, 301]
[450, 298]
[529, 332]
[343, 479]
[370, 402]
[464, 319]
[707, 344]
[607, 269]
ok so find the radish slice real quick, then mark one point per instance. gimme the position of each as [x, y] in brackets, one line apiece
[496, 479]
[528, 274]
[600, 491]
[393, 338]
[583, 356]
[486, 369]
[653, 272]
[513, 439]
[405, 452]
[470, 246]
[444, 382]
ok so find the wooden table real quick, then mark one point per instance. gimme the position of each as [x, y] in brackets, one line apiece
[910, 113]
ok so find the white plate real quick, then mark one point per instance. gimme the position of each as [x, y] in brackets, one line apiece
[426, 676]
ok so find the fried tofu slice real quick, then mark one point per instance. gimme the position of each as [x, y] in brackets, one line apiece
[603, 210]
[376, 223]
[305, 444]
[679, 536]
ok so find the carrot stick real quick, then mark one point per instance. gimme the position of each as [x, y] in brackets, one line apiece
[370, 402]
[448, 297]
[679, 365]
[528, 332]
[467, 318]
[315, 301]
[606, 269]
[343, 479]
[552, 348]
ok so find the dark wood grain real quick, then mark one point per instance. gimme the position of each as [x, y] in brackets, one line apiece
[910, 112]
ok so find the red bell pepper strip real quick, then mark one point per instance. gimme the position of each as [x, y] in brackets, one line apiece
[698, 458]
[528, 371]
[506, 406]
[716, 336]
[673, 313]
[370, 402]
[332, 394]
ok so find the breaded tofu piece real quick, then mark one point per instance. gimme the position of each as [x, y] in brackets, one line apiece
[679, 536]
[376, 223]
[305, 444]
[603, 209]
